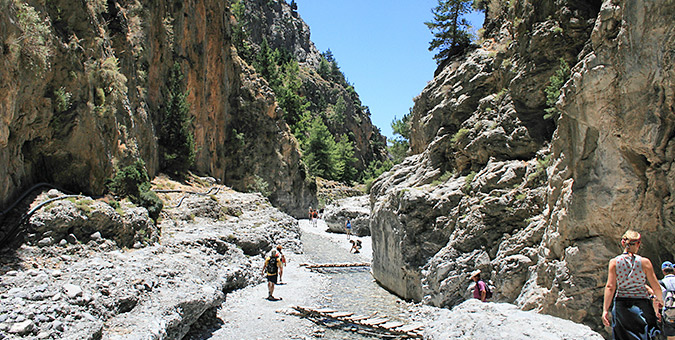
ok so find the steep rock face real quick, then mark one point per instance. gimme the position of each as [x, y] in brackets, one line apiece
[479, 192]
[283, 28]
[540, 222]
[613, 154]
[84, 84]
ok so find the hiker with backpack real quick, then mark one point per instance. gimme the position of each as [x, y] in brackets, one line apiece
[633, 315]
[282, 257]
[481, 291]
[668, 311]
[271, 269]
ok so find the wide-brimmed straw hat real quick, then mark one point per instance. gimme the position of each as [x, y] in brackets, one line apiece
[474, 273]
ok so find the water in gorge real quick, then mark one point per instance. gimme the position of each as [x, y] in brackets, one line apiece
[351, 290]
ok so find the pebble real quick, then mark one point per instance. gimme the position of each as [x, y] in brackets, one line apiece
[72, 239]
[96, 236]
[72, 291]
[45, 242]
[23, 327]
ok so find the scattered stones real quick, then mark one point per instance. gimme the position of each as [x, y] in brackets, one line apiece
[72, 291]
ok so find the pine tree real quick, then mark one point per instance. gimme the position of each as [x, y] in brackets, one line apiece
[320, 151]
[399, 145]
[345, 170]
[450, 29]
[176, 140]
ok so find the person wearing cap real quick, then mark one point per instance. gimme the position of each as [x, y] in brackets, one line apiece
[668, 286]
[633, 315]
[479, 290]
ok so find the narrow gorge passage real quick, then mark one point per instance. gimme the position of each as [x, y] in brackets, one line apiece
[247, 315]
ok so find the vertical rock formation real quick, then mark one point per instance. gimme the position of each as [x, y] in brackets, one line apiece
[613, 153]
[538, 204]
[282, 28]
[84, 85]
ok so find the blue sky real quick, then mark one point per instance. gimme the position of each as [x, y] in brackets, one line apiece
[380, 45]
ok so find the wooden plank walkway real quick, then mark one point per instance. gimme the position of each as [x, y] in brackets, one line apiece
[371, 324]
[335, 265]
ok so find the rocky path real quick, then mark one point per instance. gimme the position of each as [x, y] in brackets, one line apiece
[247, 315]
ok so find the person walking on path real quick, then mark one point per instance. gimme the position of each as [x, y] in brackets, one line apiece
[633, 315]
[271, 269]
[348, 228]
[282, 257]
[480, 288]
[668, 312]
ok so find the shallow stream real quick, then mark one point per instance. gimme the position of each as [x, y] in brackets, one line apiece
[351, 290]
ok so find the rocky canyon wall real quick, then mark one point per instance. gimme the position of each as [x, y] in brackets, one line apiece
[83, 86]
[536, 202]
[281, 26]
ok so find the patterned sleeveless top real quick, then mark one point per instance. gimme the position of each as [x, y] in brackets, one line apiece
[630, 278]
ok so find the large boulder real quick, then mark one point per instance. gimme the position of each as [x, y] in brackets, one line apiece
[356, 209]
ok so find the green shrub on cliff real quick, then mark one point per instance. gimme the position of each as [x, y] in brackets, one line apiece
[400, 144]
[35, 40]
[133, 182]
[175, 137]
[552, 91]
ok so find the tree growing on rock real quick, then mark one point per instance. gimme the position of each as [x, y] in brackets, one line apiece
[450, 28]
[176, 139]
[400, 144]
[345, 170]
[320, 151]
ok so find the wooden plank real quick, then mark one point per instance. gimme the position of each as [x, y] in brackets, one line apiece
[341, 314]
[336, 265]
[359, 317]
[411, 327]
[374, 321]
[326, 310]
[392, 324]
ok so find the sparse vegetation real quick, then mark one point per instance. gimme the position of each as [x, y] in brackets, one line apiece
[133, 182]
[542, 164]
[62, 99]
[34, 43]
[442, 179]
[556, 82]
[260, 185]
[468, 179]
[459, 135]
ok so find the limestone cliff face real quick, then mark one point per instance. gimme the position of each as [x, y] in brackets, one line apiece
[283, 28]
[537, 204]
[83, 85]
[613, 153]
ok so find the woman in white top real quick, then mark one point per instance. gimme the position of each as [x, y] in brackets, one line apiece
[633, 315]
